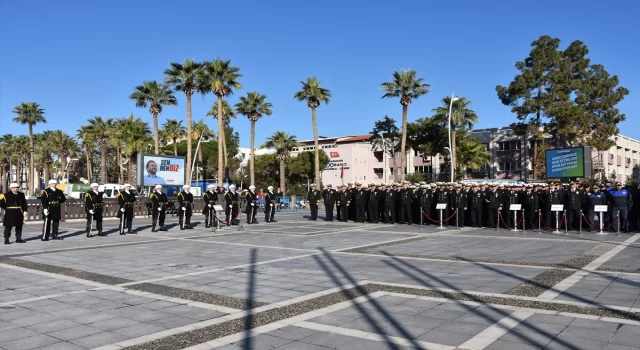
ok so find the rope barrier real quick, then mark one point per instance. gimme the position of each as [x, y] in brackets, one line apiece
[437, 222]
[505, 224]
[597, 228]
[551, 228]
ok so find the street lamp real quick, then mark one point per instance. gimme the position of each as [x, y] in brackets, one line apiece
[450, 160]
[453, 98]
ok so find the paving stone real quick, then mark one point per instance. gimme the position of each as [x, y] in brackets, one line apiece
[99, 339]
[114, 323]
[33, 342]
[75, 332]
[445, 338]
[587, 333]
[507, 345]
[462, 328]
[138, 330]
[626, 339]
[15, 333]
[62, 346]
[569, 343]
[292, 333]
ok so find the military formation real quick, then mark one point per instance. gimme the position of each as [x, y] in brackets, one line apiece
[477, 204]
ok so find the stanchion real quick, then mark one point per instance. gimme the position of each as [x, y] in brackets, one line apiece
[557, 230]
[440, 227]
[457, 227]
[601, 223]
[421, 214]
[564, 219]
[618, 219]
[523, 223]
[515, 221]
[539, 221]
[580, 232]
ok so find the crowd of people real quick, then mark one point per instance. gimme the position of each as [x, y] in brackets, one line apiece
[479, 205]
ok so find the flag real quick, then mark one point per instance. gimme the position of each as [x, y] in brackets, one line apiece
[342, 172]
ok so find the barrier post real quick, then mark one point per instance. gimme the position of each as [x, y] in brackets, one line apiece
[523, 222]
[556, 231]
[601, 223]
[581, 216]
[441, 220]
[421, 214]
[618, 220]
[539, 221]
[564, 219]
[515, 221]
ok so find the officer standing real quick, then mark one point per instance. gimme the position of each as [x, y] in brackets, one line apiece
[313, 198]
[252, 203]
[476, 202]
[210, 198]
[270, 202]
[443, 198]
[231, 199]
[595, 198]
[426, 200]
[14, 204]
[125, 201]
[531, 205]
[339, 203]
[360, 201]
[621, 202]
[158, 206]
[344, 204]
[493, 200]
[390, 205]
[51, 199]
[405, 204]
[185, 202]
[329, 197]
[374, 199]
[459, 202]
[573, 205]
[93, 208]
[554, 196]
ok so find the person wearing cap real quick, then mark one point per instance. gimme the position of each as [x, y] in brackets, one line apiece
[344, 200]
[390, 205]
[51, 199]
[329, 199]
[373, 204]
[574, 200]
[621, 202]
[232, 199]
[443, 196]
[426, 201]
[270, 202]
[351, 193]
[210, 198]
[126, 198]
[251, 198]
[493, 204]
[459, 203]
[595, 198]
[381, 193]
[360, 202]
[93, 209]
[510, 196]
[158, 207]
[313, 198]
[185, 209]
[406, 196]
[531, 205]
[554, 196]
[476, 204]
[14, 204]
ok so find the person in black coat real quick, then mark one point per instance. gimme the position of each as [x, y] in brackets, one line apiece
[374, 200]
[270, 204]
[14, 204]
[390, 205]
[93, 209]
[329, 198]
[360, 201]
[158, 206]
[554, 196]
[51, 199]
[126, 198]
[493, 203]
[313, 198]
[252, 205]
[531, 205]
[210, 198]
[426, 201]
[574, 200]
[185, 205]
[232, 201]
[476, 204]
[459, 202]
[344, 201]
[406, 196]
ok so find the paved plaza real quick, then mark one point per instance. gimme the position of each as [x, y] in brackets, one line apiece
[303, 285]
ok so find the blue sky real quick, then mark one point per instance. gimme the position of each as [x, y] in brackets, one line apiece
[81, 59]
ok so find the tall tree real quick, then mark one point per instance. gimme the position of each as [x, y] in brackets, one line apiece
[314, 94]
[100, 131]
[462, 118]
[471, 155]
[155, 95]
[408, 87]
[116, 141]
[200, 129]
[386, 136]
[227, 113]
[87, 143]
[135, 133]
[184, 77]
[283, 143]
[220, 78]
[43, 153]
[174, 130]
[253, 106]
[65, 147]
[30, 113]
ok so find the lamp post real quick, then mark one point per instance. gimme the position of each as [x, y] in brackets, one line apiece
[384, 157]
[453, 98]
[450, 160]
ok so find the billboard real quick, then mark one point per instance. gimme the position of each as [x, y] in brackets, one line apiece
[156, 169]
[568, 162]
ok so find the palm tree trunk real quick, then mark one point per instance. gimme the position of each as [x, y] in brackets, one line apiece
[121, 176]
[63, 165]
[31, 180]
[45, 173]
[282, 176]
[252, 153]
[317, 150]
[403, 144]
[89, 156]
[103, 164]
[175, 147]
[132, 168]
[189, 137]
[220, 141]
[156, 137]
[224, 147]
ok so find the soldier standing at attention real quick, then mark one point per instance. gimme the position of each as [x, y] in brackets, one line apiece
[405, 203]
[344, 202]
[313, 198]
[374, 199]
[390, 205]
[459, 204]
[270, 202]
[210, 198]
[14, 204]
[93, 208]
[158, 202]
[574, 200]
[329, 197]
[125, 201]
[185, 200]
[426, 198]
[252, 204]
[476, 201]
[51, 199]
[531, 207]
[493, 200]
[231, 199]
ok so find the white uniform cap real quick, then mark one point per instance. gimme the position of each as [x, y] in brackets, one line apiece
[232, 186]
[270, 187]
[127, 185]
[211, 186]
[158, 186]
[186, 186]
[252, 187]
[13, 184]
[94, 185]
[53, 182]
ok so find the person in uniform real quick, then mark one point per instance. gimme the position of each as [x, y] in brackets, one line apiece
[426, 201]
[531, 205]
[374, 199]
[252, 203]
[210, 198]
[125, 201]
[360, 202]
[185, 203]
[493, 200]
[621, 202]
[459, 202]
[270, 203]
[406, 195]
[14, 204]
[51, 199]
[93, 209]
[444, 198]
[596, 198]
[351, 193]
[555, 196]
[329, 197]
[573, 204]
[339, 203]
[232, 200]
[345, 201]
[313, 198]
[158, 206]
[390, 205]
[476, 204]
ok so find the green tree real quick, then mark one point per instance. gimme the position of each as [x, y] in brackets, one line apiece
[462, 118]
[135, 133]
[88, 144]
[220, 78]
[253, 106]
[303, 165]
[408, 87]
[184, 77]
[283, 144]
[471, 155]
[43, 153]
[100, 131]
[227, 113]
[30, 113]
[427, 135]
[155, 95]
[65, 147]
[386, 136]
[174, 130]
[199, 129]
[314, 94]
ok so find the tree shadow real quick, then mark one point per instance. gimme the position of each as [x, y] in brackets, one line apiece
[251, 283]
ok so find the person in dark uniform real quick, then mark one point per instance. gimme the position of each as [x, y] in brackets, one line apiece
[406, 196]
[232, 200]
[313, 198]
[360, 201]
[270, 203]
[339, 203]
[343, 203]
[443, 198]
[596, 198]
[185, 205]
[574, 199]
[158, 206]
[252, 205]
[93, 208]
[531, 205]
[329, 198]
[621, 203]
[390, 205]
[51, 199]
[126, 198]
[476, 204]
[510, 196]
[351, 192]
[210, 198]
[554, 196]
[14, 204]
[374, 199]
[426, 201]
[459, 202]
[493, 200]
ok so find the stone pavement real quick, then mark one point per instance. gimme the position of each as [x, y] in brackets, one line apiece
[297, 284]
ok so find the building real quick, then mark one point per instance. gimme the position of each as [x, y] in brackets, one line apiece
[621, 162]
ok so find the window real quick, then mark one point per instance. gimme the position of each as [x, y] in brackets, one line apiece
[379, 156]
[509, 145]
[425, 169]
[509, 166]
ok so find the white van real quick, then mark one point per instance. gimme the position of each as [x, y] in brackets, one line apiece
[111, 190]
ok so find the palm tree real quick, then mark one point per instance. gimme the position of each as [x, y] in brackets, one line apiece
[135, 133]
[155, 95]
[314, 94]
[183, 77]
[253, 106]
[227, 113]
[43, 153]
[471, 155]
[99, 130]
[88, 145]
[30, 113]
[200, 129]
[407, 86]
[283, 143]
[462, 118]
[5, 161]
[220, 78]
[19, 154]
[116, 141]
[174, 130]
[64, 146]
